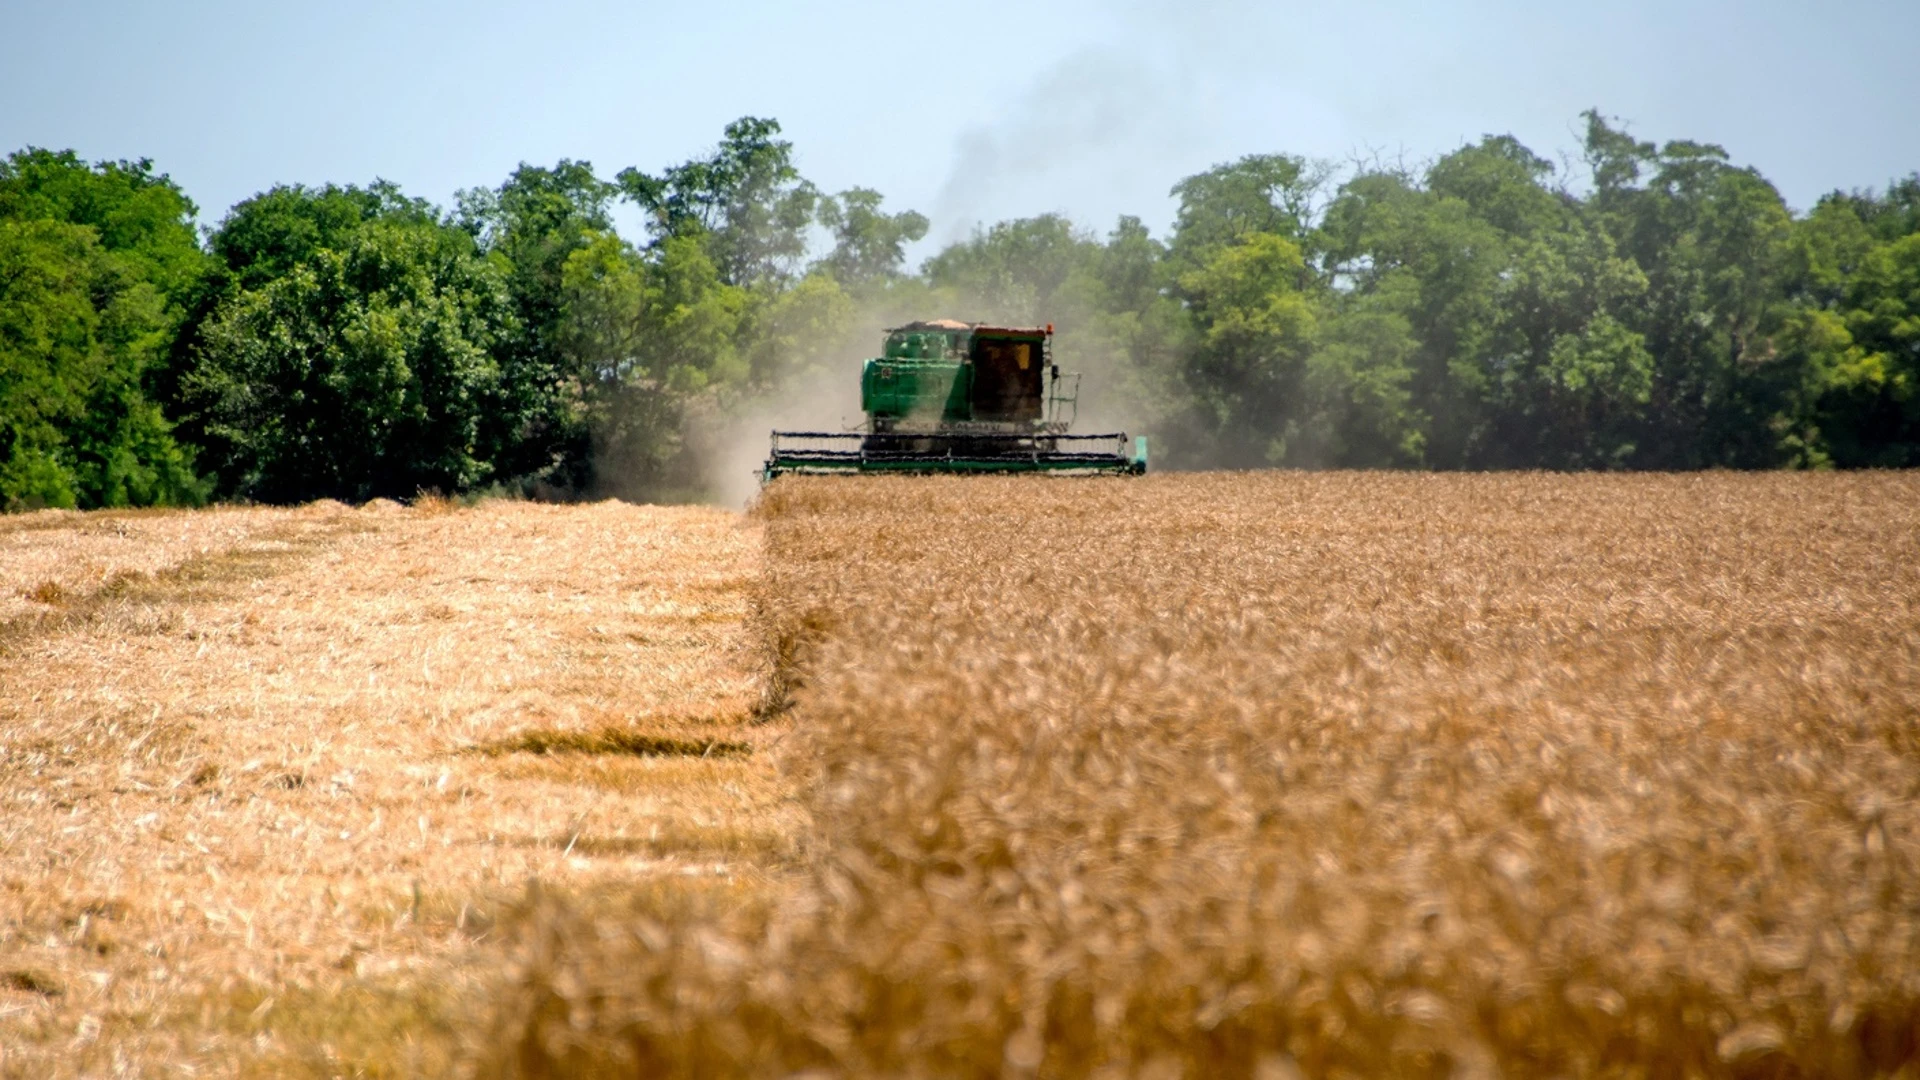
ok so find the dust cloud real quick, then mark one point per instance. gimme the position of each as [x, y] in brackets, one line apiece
[820, 392]
[823, 399]
[729, 450]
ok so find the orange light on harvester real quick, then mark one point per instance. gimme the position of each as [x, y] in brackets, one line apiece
[1049, 328]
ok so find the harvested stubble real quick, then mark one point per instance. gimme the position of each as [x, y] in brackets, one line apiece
[1278, 774]
[269, 784]
[53, 559]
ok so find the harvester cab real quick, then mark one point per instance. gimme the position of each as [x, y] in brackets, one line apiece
[948, 396]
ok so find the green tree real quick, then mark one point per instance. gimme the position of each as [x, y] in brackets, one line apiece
[1435, 262]
[647, 335]
[1358, 409]
[1122, 327]
[1713, 242]
[270, 235]
[1474, 313]
[1014, 271]
[1262, 193]
[1503, 184]
[1868, 363]
[140, 216]
[96, 264]
[803, 335]
[1889, 215]
[1567, 379]
[532, 226]
[1521, 346]
[1256, 327]
[746, 203]
[365, 369]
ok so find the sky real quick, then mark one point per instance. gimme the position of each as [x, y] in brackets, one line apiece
[970, 113]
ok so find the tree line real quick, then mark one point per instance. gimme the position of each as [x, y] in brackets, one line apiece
[1654, 307]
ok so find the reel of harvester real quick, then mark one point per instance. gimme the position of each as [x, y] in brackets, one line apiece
[956, 397]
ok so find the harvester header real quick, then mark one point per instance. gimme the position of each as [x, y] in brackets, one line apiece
[949, 396]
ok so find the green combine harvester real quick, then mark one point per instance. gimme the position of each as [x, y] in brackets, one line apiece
[954, 397]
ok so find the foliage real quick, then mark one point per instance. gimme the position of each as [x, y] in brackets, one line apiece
[364, 371]
[746, 203]
[96, 265]
[869, 245]
[1013, 271]
[644, 337]
[1260, 193]
[533, 226]
[1256, 327]
[276, 232]
[1655, 307]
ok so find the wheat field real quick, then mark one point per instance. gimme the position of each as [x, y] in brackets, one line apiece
[274, 783]
[1265, 775]
[1304, 775]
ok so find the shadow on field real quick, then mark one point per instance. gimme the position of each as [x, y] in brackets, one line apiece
[210, 576]
[610, 741]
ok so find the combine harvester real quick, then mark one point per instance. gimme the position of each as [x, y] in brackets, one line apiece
[954, 397]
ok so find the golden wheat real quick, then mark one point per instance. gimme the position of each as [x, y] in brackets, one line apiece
[269, 779]
[1270, 775]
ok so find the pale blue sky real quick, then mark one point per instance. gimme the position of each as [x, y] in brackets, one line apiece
[967, 112]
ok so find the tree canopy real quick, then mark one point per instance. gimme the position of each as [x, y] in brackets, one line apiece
[98, 265]
[1647, 306]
